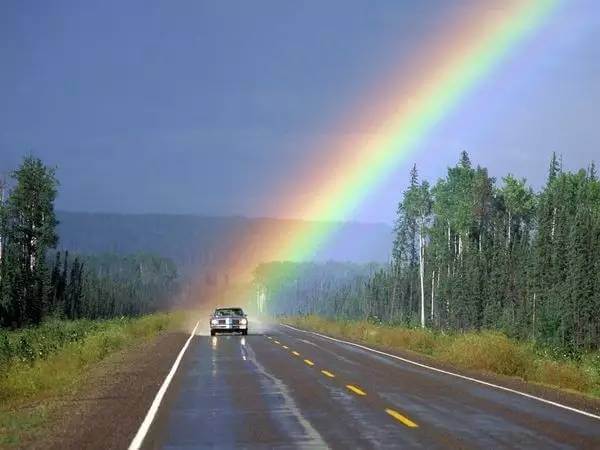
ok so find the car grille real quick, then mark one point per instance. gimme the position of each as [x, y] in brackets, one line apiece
[221, 321]
[236, 322]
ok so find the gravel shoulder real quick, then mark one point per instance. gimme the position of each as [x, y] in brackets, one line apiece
[106, 409]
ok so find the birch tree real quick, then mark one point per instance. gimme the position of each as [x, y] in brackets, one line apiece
[417, 204]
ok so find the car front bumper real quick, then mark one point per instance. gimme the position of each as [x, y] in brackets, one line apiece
[228, 327]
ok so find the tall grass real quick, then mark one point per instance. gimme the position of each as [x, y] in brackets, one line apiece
[52, 355]
[485, 351]
[40, 362]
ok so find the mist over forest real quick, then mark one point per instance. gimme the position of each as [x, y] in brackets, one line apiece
[200, 242]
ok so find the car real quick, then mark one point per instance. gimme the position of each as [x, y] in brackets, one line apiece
[228, 320]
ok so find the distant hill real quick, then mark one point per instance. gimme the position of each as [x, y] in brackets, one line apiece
[194, 242]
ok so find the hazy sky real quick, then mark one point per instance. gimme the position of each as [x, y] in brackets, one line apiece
[208, 106]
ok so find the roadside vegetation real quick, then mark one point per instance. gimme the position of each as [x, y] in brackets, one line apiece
[62, 313]
[52, 355]
[39, 363]
[486, 351]
[487, 275]
[39, 282]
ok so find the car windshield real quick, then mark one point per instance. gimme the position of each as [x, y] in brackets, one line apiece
[229, 312]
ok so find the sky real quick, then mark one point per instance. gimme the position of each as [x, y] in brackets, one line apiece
[209, 107]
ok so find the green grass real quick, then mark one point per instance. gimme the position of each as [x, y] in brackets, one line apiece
[41, 362]
[485, 351]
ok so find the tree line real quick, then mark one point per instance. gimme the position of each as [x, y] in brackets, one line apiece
[108, 285]
[37, 281]
[472, 252]
[331, 288]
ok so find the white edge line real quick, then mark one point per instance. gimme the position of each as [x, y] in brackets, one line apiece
[475, 380]
[136, 443]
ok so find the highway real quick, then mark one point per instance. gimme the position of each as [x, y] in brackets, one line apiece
[284, 388]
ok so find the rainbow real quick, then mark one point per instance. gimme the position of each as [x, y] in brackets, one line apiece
[457, 71]
[442, 75]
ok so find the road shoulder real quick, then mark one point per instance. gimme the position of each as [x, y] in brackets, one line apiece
[105, 411]
[568, 398]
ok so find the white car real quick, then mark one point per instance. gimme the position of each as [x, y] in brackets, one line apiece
[228, 320]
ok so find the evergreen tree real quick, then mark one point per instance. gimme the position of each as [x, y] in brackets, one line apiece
[555, 168]
[592, 173]
[31, 224]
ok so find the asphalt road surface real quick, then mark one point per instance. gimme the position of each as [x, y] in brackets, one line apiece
[282, 388]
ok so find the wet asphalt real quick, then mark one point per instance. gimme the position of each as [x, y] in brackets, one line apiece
[278, 388]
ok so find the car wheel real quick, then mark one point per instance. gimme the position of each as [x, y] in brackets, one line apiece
[244, 332]
[213, 332]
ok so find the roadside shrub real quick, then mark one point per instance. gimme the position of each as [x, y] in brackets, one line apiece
[417, 340]
[25, 351]
[563, 374]
[489, 352]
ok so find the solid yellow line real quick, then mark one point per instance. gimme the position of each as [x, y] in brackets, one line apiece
[295, 353]
[327, 374]
[309, 362]
[285, 346]
[356, 390]
[399, 417]
[277, 342]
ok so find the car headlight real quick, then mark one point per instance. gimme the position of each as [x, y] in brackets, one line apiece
[243, 321]
[214, 322]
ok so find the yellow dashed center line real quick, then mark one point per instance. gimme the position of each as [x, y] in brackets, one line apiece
[356, 390]
[399, 417]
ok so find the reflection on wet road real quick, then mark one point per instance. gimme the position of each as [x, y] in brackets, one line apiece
[280, 388]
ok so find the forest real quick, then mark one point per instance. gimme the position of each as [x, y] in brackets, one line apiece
[37, 281]
[472, 252]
